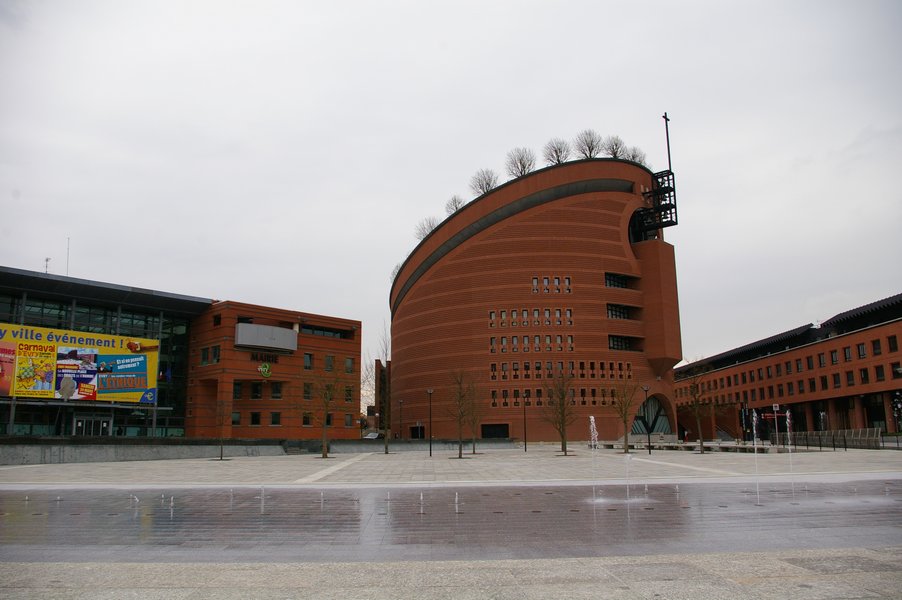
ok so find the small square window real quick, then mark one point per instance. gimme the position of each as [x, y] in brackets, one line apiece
[275, 390]
[255, 418]
[256, 390]
[236, 418]
[275, 418]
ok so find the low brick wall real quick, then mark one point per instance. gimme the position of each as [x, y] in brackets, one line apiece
[33, 451]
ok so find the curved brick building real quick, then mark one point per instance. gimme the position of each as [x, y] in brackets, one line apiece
[563, 270]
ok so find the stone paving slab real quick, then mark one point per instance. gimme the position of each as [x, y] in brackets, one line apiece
[763, 575]
[539, 464]
[857, 562]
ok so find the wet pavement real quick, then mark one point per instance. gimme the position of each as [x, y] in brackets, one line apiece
[503, 524]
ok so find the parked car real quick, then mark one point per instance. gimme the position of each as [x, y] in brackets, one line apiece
[374, 435]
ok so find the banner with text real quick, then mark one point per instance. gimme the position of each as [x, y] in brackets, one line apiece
[57, 364]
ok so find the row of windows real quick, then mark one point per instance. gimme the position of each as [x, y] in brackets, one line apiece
[620, 311]
[275, 390]
[210, 355]
[536, 343]
[556, 284]
[837, 380]
[618, 370]
[71, 315]
[540, 397]
[328, 362]
[786, 367]
[275, 419]
[615, 342]
[615, 280]
[540, 316]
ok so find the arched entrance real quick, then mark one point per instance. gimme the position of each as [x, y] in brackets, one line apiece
[651, 418]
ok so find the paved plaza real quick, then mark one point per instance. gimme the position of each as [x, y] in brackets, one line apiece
[502, 523]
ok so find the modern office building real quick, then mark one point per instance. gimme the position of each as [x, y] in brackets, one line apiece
[81, 357]
[845, 373]
[559, 275]
[257, 372]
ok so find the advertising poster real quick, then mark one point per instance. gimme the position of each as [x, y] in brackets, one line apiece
[53, 364]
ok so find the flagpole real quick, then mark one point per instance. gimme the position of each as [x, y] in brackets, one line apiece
[755, 447]
[792, 479]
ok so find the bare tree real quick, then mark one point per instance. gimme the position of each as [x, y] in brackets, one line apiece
[520, 161]
[623, 400]
[556, 151]
[559, 409]
[635, 154]
[697, 406]
[327, 390]
[382, 384]
[463, 398]
[474, 417]
[425, 227]
[395, 271]
[484, 181]
[614, 147]
[454, 204]
[587, 144]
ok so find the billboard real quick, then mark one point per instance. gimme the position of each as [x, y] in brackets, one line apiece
[57, 364]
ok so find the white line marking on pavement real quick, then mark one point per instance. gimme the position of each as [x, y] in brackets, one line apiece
[670, 464]
[329, 470]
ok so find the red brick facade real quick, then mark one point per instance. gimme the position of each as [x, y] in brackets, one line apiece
[841, 375]
[538, 272]
[261, 373]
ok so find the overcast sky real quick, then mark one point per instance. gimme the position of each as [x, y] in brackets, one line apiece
[282, 153]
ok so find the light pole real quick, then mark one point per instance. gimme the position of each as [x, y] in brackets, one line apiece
[429, 391]
[647, 423]
[401, 418]
[524, 424]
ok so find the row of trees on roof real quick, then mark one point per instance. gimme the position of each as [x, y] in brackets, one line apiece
[522, 161]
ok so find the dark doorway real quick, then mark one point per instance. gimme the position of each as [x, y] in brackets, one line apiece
[495, 430]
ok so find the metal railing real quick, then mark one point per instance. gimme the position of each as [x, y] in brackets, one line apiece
[839, 439]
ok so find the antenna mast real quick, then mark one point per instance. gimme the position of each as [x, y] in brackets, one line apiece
[667, 133]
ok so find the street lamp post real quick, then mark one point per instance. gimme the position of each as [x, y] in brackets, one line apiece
[429, 391]
[524, 424]
[401, 418]
[647, 421]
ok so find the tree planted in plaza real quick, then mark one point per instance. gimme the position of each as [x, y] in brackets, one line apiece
[462, 405]
[559, 408]
[623, 404]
